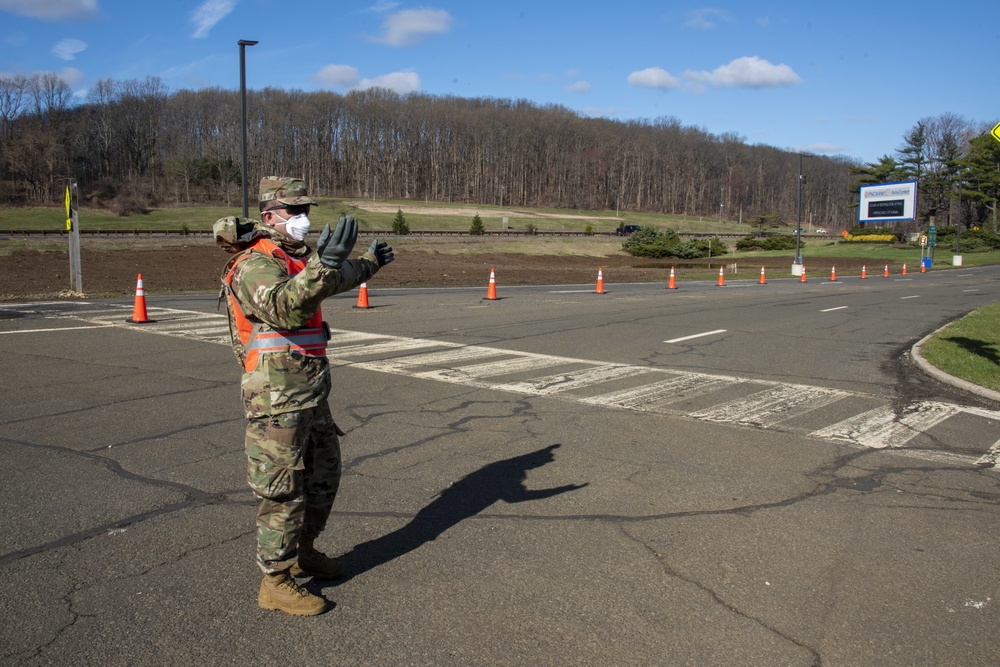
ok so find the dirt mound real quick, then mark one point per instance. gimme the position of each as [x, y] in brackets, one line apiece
[110, 268]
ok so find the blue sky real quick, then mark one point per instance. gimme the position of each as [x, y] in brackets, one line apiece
[846, 77]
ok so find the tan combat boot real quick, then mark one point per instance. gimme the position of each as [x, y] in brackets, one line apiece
[278, 591]
[317, 564]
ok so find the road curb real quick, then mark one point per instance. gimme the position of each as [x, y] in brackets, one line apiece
[939, 374]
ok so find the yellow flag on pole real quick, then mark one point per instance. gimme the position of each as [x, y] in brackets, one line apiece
[69, 213]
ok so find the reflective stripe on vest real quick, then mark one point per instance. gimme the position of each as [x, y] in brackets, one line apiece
[309, 340]
[298, 340]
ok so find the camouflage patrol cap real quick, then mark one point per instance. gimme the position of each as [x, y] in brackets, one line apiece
[290, 191]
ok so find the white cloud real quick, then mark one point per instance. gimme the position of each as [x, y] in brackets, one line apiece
[52, 10]
[653, 77]
[400, 82]
[578, 87]
[821, 149]
[68, 48]
[71, 75]
[336, 76]
[382, 6]
[346, 76]
[745, 72]
[413, 26]
[208, 14]
[706, 18]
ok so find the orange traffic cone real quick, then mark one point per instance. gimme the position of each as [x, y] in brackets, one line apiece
[833, 274]
[139, 309]
[491, 291]
[864, 272]
[802, 276]
[904, 269]
[763, 280]
[722, 279]
[923, 267]
[363, 296]
[600, 281]
[672, 284]
[885, 271]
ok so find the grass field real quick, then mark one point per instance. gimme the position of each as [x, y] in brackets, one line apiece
[375, 215]
[969, 348]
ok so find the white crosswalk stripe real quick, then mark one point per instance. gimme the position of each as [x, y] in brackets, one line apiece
[883, 427]
[771, 406]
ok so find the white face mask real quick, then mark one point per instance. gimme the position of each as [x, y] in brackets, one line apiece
[297, 226]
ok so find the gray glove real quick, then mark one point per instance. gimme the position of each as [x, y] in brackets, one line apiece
[334, 247]
[382, 252]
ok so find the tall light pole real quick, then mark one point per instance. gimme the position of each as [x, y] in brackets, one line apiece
[243, 119]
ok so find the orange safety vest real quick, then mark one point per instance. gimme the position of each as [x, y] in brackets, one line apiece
[309, 340]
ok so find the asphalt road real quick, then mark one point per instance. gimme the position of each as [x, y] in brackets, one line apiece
[739, 475]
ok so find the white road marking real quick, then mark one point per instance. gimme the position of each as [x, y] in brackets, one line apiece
[560, 382]
[404, 364]
[971, 290]
[770, 406]
[684, 338]
[915, 296]
[830, 310]
[665, 391]
[992, 457]
[387, 347]
[883, 428]
[475, 373]
[23, 331]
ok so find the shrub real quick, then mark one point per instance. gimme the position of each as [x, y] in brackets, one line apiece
[477, 225]
[126, 205]
[973, 240]
[399, 225]
[870, 238]
[650, 242]
[777, 242]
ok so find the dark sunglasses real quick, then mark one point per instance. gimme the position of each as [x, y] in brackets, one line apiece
[293, 209]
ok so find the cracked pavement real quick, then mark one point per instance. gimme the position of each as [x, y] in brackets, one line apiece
[482, 527]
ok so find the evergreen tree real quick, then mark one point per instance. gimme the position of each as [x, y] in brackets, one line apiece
[913, 155]
[981, 176]
[477, 225]
[399, 225]
[886, 170]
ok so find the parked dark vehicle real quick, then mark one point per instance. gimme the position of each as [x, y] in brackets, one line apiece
[626, 230]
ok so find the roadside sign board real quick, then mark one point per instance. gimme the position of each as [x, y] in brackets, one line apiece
[932, 235]
[923, 240]
[996, 132]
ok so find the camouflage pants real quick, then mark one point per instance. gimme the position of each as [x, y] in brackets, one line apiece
[293, 467]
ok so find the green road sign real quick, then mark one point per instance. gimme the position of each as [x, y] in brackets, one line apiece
[932, 235]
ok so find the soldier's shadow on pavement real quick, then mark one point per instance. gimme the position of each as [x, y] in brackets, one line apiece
[503, 480]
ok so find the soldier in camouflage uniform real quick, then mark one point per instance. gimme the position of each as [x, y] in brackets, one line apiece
[273, 288]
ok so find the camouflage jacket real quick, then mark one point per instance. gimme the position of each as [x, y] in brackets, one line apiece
[261, 285]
